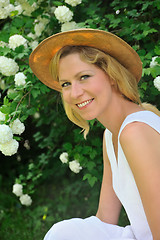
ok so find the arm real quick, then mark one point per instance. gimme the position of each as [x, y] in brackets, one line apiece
[141, 146]
[109, 205]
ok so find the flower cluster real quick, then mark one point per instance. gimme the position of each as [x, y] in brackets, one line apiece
[63, 14]
[40, 25]
[20, 79]
[17, 127]
[153, 62]
[68, 26]
[8, 66]
[73, 3]
[73, 165]
[64, 157]
[157, 82]
[8, 145]
[16, 41]
[6, 9]
[25, 199]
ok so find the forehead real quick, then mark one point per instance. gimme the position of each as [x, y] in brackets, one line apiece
[73, 63]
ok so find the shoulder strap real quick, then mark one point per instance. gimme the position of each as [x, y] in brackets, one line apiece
[147, 117]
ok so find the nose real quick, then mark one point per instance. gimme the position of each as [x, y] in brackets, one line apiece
[76, 90]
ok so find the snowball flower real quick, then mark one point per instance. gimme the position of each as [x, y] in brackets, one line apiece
[6, 134]
[17, 189]
[64, 157]
[9, 148]
[3, 44]
[73, 3]
[153, 62]
[4, 3]
[20, 79]
[8, 66]
[2, 116]
[118, 11]
[16, 41]
[33, 44]
[25, 199]
[63, 14]
[75, 166]
[157, 82]
[68, 26]
[19, 9]
[39, 28]
[17, 127]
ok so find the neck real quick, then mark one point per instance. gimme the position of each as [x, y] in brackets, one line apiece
[118, 110]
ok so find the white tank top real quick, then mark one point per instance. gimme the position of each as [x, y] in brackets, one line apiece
[123, 180]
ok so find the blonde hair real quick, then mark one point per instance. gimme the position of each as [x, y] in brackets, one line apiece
[124, 81]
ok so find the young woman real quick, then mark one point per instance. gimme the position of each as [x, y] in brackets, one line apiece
[97, 74]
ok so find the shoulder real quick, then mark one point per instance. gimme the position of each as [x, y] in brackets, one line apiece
[138, 131]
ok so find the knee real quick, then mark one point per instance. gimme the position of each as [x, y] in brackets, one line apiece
[61, 230]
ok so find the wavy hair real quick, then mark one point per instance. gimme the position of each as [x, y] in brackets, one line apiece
[123, 80]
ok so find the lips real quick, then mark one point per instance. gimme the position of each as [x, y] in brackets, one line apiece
[85, 103]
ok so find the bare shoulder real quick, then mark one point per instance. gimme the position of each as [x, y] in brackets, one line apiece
[139, 132]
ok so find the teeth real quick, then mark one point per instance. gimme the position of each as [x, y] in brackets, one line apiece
[84, 103]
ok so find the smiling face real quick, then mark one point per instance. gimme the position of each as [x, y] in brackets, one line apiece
[85, 87]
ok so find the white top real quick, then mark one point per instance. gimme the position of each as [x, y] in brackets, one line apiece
[123, 180]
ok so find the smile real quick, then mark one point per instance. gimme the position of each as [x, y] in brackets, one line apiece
[83, 104]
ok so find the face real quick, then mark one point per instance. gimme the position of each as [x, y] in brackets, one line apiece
[85, 87]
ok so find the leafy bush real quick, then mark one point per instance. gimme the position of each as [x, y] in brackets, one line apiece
[48, 132]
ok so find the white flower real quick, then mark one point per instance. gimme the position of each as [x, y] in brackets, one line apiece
[20, 79]
[6, 134]
[19, 9]
[63, 14]
[9, 8]
[73, 3]
[118, 11]
[2, 116]
[17, 189]
[9, 148]
[157, 82]
[17, 127]
[3, 44]
[39, 28]
[16, 41]
[8, 66]
[64, 157]
[153, 62]
[31, 35]
[4, 3]
[75, 166]
[26, 200]
[3, 13]
[26, 7]
[68, 26]
[33, 44]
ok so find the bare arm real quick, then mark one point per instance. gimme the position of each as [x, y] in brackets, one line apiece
[141, 146]
[109, 205]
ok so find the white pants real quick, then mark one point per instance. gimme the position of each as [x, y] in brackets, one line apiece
[90, 228]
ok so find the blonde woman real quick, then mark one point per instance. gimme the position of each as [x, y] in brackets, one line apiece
[97, 74]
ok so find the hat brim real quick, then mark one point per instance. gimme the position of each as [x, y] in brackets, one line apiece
[107, 42]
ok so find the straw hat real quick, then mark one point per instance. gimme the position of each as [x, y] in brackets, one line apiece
[107, 42]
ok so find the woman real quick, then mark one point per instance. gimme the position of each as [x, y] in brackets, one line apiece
[97, 74]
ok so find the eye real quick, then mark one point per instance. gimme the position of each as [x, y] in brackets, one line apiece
[65, 84]
[85, 77]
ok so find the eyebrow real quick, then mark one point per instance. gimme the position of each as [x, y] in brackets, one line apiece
[76, 75]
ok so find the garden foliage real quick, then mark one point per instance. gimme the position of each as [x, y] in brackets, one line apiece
[30, 154]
